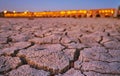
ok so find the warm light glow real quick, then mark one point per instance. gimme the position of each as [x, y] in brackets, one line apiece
[90, 11]
[112, 11]
[73, 11]
[80, 11]
[14, 11]
[5, 11]
[99, 10]
[62, 12]
[106, 14]
[108, 10]
[44, 13]
[35, 13]
[68, 12]
[26, 11]
[103, 11]
[84, 11]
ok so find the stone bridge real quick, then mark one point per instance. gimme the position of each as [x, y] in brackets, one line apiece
[66, 13]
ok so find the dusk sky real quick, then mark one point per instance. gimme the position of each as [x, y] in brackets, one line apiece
[46, 5]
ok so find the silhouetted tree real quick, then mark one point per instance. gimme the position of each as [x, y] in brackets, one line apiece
[119, 7]
[1, 14]
[118, 13]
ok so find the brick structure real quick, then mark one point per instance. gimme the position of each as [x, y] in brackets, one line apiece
[66, 13]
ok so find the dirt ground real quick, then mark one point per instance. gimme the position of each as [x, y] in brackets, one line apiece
[59, 47]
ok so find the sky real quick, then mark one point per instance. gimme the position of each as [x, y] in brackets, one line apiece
[53, 5]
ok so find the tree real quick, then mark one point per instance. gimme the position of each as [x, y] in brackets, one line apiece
[119, 7]
[118, 11]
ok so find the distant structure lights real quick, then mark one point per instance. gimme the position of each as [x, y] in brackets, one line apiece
[62, 13]
[14, 11]
[74, 11]
[112, 11]
[5, 11]
[69, 12]
[26, 11]
[84, 11]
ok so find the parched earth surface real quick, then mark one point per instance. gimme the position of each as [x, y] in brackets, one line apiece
[60, 47]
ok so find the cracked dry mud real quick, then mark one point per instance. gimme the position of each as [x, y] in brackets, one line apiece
[60, 47]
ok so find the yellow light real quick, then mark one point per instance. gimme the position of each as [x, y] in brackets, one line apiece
[62, 12]
[68, 12]
[73, 11]
[5, 11]
[14, 11]
[26, 11]
[80, 11]
[108, 10]
[112, 11]
[51, 12]
[44, 12]
[90, 11]
[103, 11]
[106, 14]
[100, 11]
[84, 11]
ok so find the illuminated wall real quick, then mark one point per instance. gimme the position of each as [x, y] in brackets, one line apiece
[66, 13]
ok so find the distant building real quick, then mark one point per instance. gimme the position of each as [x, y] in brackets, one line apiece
[110, 12]
[118, 12]
[1, 14]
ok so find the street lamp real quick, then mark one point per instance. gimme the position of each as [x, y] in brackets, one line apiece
[5, 11]
[14, 11]
[26, 11]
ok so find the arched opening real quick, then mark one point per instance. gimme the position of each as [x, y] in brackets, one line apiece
[85, 16]
[50, 16]
[118, 16]
[47, 16]
[91, 16]
[107, 15]
[79, 16]
[68, 16]
[63, 16]
[73, 16]
[98, 15]
[58, 16]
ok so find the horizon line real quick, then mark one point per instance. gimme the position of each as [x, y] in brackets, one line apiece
[57, 10]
